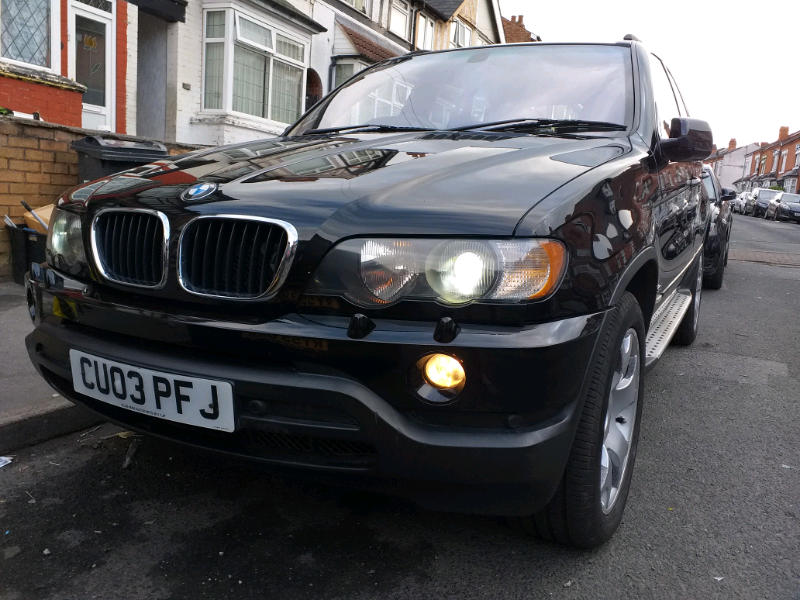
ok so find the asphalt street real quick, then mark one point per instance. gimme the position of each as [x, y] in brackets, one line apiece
[713, 510]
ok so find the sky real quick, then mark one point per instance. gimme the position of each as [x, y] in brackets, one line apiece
[737, 64]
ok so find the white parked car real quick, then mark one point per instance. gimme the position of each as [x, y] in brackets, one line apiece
[739, 202]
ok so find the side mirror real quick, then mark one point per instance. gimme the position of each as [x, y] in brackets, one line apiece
[728, 194]
[689, 140]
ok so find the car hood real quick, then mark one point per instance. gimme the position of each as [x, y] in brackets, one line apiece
[340, 185]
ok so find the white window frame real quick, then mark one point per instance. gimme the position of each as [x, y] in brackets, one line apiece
[403, 7]
[358, 66]
[797, 156]
[783, 161]
[364, 10]
[233, 13]
[241, 39]
[425, 24]
[55, 43]
[455, 26]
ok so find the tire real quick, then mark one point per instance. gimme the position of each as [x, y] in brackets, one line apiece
[714, 281]
[687, 330]
[727, 249]
[587, 509]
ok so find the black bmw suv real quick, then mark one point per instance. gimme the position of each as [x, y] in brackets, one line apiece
[451, 273]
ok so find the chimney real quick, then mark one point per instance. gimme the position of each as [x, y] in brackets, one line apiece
[732, 144]
[713, 148]
[520, 22]
[783, 133]
[513, 18]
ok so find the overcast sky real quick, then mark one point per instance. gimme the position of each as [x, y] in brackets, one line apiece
[737, 64]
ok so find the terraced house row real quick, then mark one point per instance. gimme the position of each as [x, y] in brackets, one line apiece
[773, 164]
[213, 71]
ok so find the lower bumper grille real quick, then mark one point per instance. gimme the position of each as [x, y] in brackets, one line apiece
[255, 443]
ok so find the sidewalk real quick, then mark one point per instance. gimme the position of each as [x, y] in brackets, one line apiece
[772, 258]
[30, 410]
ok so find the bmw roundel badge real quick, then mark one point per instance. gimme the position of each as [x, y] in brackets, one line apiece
[199, 191]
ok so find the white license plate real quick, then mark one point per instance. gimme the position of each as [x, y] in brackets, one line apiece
[190, 400]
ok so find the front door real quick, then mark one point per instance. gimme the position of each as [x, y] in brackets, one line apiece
[91, 60]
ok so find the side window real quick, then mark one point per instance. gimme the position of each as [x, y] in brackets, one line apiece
[666, 105]
[709, 185]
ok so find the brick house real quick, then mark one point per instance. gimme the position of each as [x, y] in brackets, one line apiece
[774, 163]
[210, 71]
[516, 32]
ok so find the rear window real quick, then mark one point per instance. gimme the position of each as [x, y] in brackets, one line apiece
[767, 194]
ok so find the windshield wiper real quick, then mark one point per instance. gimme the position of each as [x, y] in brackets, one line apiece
[537, 124]
[370, 128]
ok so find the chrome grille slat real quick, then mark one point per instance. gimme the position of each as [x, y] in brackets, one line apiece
[129, 246]
[228, 256]
[137, 254]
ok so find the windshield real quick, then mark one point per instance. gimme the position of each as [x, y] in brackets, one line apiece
[793, 198]
[466, 88]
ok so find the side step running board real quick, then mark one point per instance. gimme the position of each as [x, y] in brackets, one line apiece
[664, 325]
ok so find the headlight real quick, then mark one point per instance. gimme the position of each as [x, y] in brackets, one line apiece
[378, 272]
[64, 241]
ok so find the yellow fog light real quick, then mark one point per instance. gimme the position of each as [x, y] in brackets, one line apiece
[444, 372]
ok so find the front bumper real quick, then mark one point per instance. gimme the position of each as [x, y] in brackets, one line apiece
[332, 404]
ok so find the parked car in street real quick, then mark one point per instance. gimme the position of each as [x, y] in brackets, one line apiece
[738, 205]
[761, 199]
[452, 272]
[719, 230]
[787, 206]
[749, 203]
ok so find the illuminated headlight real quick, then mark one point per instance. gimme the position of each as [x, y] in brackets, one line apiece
[64, 241]
[377, 272]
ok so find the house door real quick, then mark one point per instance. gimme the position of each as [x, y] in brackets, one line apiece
[91, 60]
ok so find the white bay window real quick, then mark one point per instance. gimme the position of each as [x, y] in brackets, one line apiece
[252, 67]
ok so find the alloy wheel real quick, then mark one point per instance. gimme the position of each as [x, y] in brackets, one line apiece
[620, 420]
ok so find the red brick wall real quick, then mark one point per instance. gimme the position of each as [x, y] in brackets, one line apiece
[515, 31]
[36, 165]
[54, 104]
[122, 65]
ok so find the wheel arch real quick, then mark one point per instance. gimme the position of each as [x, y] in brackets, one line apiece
[641, 280]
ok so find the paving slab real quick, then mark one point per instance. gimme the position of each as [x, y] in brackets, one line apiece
[772, 258]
